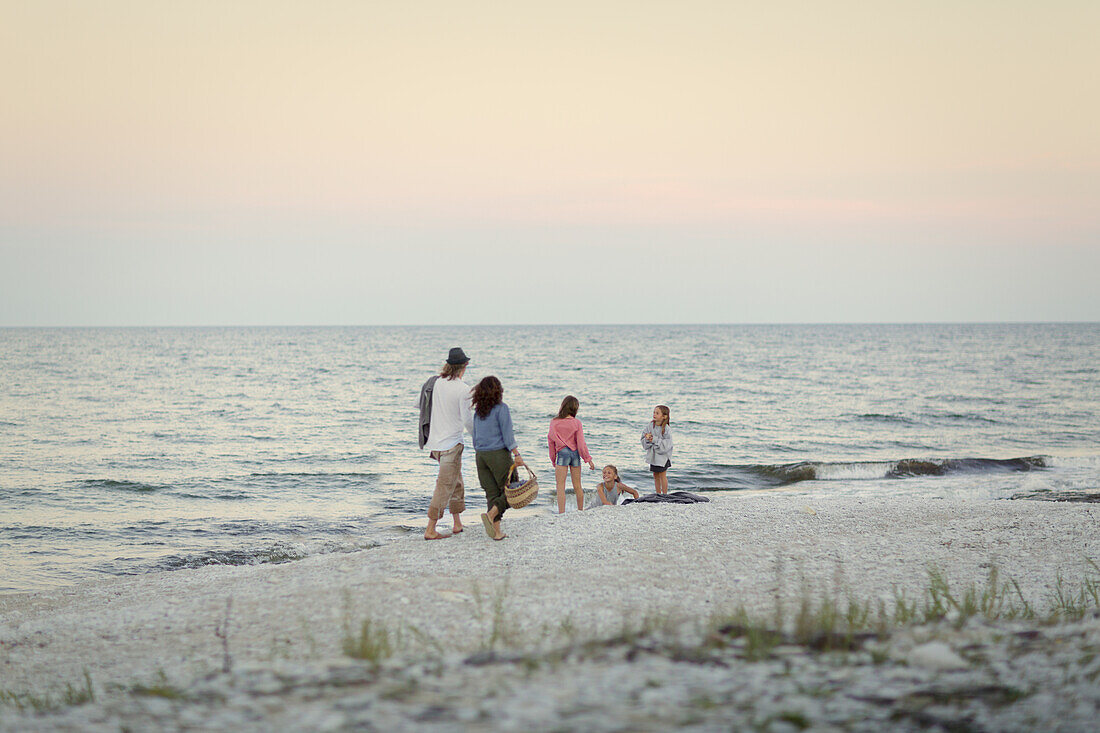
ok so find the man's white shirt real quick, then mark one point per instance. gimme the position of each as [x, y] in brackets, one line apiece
[451, 413]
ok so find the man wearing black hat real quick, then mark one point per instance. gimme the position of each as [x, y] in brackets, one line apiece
[450, 414]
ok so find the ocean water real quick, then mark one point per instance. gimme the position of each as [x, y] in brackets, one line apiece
[129, 450]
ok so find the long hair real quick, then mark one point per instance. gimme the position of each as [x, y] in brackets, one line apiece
[569, 407]
[488, 393]
[664, 411]
[452, 371]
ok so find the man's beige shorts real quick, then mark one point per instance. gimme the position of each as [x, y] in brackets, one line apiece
[449, 491]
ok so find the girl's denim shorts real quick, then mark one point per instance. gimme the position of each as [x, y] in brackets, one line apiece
[567, 457]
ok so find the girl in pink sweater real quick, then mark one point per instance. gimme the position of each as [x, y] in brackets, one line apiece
[567, 449]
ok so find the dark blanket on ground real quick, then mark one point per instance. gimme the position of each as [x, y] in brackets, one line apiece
[673, 497]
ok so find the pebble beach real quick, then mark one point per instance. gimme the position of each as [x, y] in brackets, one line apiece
[607, 619]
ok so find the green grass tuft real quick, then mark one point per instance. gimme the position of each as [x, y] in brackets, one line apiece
[826, 623]
[71, 696]
[374, 642]
[159, 688]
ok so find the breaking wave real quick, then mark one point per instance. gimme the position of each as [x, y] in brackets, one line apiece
[760, 476]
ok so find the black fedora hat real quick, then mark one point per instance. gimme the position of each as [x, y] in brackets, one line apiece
[457, 356]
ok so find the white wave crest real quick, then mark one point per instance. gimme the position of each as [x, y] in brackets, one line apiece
[851, 471]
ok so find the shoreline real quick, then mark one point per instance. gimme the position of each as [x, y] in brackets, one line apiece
[588, 574]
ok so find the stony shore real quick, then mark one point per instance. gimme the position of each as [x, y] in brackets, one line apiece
[620, 618]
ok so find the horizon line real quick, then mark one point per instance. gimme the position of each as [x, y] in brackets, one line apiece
[559, 324]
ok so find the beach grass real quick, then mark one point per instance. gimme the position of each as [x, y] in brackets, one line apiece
[160, 687]
[818, 621]
[826, 622]
[70, 696]
[373, 641]
[492, 616]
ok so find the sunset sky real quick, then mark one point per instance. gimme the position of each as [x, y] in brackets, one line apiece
[208, 163]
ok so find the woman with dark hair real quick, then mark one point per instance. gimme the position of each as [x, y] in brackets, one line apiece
[494, 449]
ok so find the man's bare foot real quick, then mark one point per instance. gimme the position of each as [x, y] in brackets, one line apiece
[435, 536]
[458, 528]
[500, 536]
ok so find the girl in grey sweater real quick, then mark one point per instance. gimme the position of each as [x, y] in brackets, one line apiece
[657, 442]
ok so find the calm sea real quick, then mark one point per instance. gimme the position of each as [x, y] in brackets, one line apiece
[137, 449]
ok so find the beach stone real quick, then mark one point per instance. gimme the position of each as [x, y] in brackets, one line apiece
[936, 656]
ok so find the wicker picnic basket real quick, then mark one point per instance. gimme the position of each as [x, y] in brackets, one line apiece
[523, 493]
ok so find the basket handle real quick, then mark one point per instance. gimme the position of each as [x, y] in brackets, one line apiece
[512, 470]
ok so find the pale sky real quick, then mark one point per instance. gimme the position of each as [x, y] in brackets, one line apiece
[354, 162]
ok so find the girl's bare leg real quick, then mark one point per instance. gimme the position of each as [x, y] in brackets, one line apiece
[559, 476]
[664, 483]
[575, 472]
